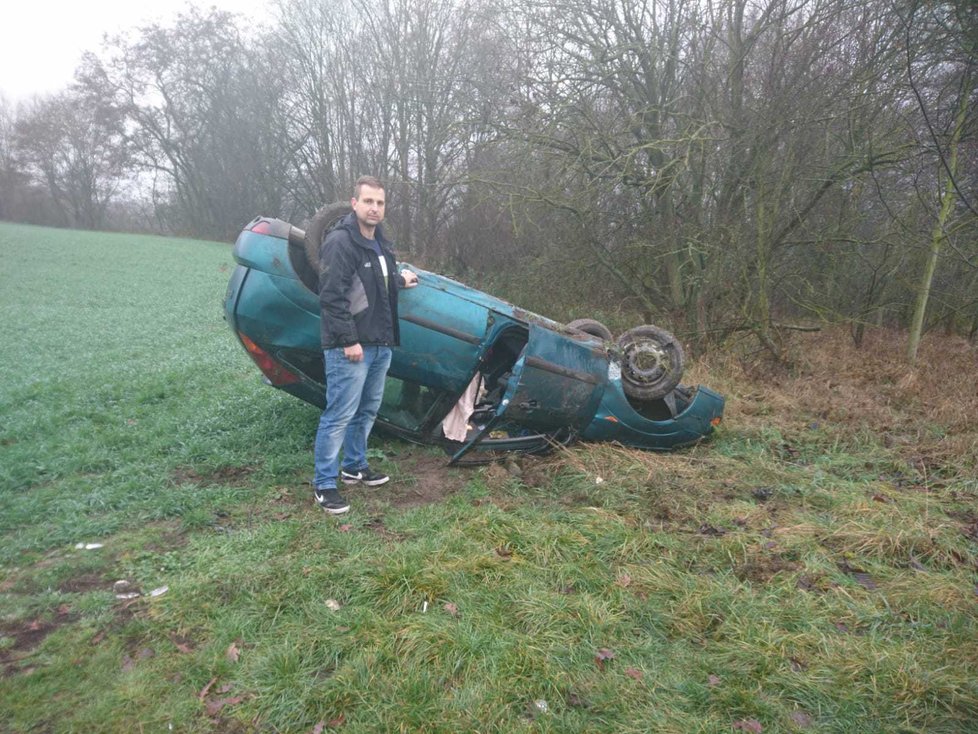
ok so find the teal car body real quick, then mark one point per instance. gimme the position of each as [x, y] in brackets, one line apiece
[543, 383]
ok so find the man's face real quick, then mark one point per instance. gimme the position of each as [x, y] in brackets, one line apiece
[369, 206]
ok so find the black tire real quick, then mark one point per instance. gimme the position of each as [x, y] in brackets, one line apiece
[652, 362]
[317, 227]
[592, 328]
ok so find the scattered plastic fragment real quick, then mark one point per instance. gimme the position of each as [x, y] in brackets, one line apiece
[159, 592]
[333, 605]
[88, 546]
[123, 586]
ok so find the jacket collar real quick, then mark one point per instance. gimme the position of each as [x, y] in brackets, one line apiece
[349, 223]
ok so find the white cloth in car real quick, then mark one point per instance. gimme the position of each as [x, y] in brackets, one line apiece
[455, 426]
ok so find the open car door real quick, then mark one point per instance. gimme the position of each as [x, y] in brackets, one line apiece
[556, 384]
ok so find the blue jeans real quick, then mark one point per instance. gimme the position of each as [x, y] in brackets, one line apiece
[353, 394]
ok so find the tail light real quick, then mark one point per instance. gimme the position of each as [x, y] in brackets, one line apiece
[262, 227]
[276, 373]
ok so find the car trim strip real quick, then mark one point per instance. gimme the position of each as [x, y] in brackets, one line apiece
[446, 330]
[542, 364]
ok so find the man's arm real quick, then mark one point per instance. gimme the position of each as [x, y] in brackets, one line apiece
[337, 267]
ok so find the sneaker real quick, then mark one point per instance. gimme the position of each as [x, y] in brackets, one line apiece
[364, 476]
[331, 501]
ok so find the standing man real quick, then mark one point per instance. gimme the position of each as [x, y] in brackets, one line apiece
[358, 284]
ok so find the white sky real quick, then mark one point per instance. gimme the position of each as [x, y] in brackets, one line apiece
[44, 39]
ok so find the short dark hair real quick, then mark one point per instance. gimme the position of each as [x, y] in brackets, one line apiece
[371, 181]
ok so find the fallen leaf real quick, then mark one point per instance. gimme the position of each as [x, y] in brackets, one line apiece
[577, 702]
[337, 722]
[98, 638]
[226, 688]
[802, 719]
[450, 608]
[345, 528]
[318, 728]
[128, 663]
[861, 577]
[623, 580]
[146, 653]
[603, 655]
[205, 689]
[806, 583]
[713, 680]
[233, 652]
[633, 673]
[878, 497]
[712, 531]
[214, 707]
[751, 725]
[797, 665]
[503, 552]
[181, 646]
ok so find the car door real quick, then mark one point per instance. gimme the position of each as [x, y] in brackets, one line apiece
[556, 383]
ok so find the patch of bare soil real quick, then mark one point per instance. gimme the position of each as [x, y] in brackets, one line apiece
[231, 476]
[429, 479]
[376, 525]
[761, 568]
[27, 635]
[85, 582]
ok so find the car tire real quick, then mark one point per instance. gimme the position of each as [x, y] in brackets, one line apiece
[592, 328]
[652, 362]
[317, 227]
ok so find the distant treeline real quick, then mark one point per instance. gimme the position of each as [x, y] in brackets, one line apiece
[720, 166]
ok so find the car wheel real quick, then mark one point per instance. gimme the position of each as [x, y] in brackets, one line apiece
[317, 227]
[592, 328]
[652, 362]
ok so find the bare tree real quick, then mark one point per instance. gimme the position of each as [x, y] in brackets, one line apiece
[201, 107]
[941, 45]
[76, 151]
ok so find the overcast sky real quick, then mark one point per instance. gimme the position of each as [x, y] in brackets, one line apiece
[44, 39]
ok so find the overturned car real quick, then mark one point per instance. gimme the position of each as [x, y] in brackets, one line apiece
[473, 373]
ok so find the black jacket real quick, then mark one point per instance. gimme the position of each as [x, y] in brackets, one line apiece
[355, 306]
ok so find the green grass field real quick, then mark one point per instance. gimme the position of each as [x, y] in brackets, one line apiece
[812, 569]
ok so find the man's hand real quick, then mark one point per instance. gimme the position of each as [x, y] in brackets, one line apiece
[410, 278]
[354, 353]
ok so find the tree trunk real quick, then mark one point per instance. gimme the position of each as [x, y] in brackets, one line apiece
[937, 234]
